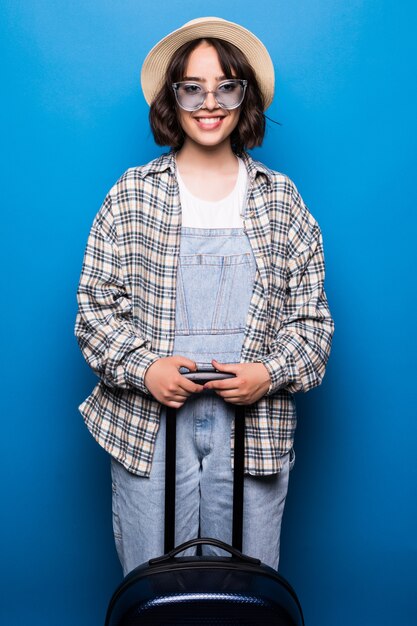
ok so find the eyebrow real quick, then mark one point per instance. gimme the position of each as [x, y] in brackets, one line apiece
[203, 80]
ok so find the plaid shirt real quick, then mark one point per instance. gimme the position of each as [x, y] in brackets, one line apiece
[126, 317]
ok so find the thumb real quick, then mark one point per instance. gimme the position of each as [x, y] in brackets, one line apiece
[228, 368]
[182, 361]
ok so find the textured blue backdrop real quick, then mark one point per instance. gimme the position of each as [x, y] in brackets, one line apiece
[73, 119]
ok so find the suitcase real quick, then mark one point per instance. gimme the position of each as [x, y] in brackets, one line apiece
[208, 590]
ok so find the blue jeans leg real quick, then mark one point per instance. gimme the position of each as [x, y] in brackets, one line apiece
[263, 508]
[138, 503]
[264, 496]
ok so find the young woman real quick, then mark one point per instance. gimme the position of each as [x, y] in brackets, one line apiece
[202, 257]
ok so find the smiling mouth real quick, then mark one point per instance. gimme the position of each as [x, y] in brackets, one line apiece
[208, 121]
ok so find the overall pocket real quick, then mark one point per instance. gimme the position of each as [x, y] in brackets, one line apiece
[213, 293]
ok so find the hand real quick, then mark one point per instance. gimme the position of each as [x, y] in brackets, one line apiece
[251, 383]
[167, 385]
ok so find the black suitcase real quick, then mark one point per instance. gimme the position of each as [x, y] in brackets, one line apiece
[223, 590]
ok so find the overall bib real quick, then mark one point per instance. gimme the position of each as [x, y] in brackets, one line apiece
[214, 287]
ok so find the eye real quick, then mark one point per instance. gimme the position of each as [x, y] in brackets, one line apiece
[228, 87]
[191, 88]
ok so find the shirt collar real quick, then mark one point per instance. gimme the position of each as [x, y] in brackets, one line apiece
[255, 167]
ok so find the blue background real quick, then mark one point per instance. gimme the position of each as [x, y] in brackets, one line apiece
[73, 119]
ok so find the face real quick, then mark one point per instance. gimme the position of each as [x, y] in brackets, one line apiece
[211, 125]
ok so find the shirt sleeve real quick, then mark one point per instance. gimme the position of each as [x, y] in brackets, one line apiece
[104, 326]
[301, 346]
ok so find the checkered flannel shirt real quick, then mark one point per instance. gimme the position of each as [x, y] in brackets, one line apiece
[126, 316]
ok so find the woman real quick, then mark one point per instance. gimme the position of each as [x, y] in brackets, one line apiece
[202, 257]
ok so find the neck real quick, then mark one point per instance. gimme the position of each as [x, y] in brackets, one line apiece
[215, 158]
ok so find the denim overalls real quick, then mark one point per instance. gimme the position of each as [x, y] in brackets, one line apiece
[214, 287]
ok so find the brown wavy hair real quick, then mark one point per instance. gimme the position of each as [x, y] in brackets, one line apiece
[163, 116]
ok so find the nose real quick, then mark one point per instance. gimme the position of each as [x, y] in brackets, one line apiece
[210, 102]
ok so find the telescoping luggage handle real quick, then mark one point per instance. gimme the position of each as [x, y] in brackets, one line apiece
[238, 461]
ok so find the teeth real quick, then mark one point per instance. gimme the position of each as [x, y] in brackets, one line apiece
[209, 120]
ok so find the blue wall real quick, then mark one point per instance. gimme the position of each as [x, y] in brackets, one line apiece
[73, 119]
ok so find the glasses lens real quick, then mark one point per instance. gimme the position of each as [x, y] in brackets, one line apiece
[190, 96]
[229, 94]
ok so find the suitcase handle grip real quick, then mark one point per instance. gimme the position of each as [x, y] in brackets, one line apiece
[205, 376]
[205, 541]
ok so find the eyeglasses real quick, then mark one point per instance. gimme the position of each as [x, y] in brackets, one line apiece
[228, 94]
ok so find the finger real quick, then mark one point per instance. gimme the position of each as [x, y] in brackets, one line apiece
[229, 393]
[178, 394]
[228, 368]
[183, 361]
[234, 400]
[173, 396]
[173, 404]
[227, 383]
[189, 386]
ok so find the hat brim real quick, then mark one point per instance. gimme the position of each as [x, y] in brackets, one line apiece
[157, 61]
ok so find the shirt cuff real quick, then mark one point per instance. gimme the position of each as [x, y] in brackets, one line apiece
[277, 371]
[136, 367]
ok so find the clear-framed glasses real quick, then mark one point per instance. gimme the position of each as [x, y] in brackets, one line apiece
[191, 95]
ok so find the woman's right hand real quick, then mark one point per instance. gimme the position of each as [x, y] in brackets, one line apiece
[167, 385]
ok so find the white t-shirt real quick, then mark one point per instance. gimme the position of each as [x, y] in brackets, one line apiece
[224, 213]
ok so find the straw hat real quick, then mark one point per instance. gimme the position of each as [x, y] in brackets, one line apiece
[158, 59]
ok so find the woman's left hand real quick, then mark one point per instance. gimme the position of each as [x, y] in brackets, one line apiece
[251, 382]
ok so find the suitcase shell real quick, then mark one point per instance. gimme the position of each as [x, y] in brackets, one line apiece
[226, 591]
